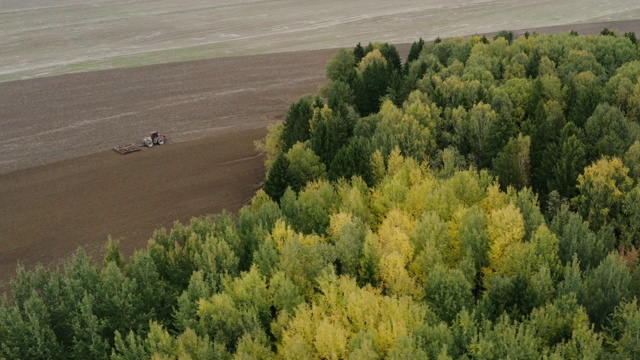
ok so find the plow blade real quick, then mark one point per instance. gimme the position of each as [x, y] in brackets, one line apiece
[126, 148]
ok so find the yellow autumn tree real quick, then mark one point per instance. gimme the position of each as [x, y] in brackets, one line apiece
[343, 311]
[505, 227]
[602, 189]
[374, 56]
[396, 251]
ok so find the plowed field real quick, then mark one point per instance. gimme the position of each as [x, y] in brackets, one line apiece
[62, 187]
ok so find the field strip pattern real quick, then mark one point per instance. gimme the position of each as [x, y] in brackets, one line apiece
[74, 36]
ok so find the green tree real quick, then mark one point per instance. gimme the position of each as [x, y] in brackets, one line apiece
[154, 300]
[503, 129]
[448, 292]
[112, 253]
[225, 227]
[414, 74]
[601, 191]
[251, 296]
[257, 219]
[632, 160]
[506, 339]
[329, 133]
[491, 56]
[253, 347]
[26, 331]
[266, 257]
[632, 37]
[448, 161]
[353, 160]
[554, 321]
[414, 53]
[304, 166]
[216, 260]
[543, 126]
[278, 179]
[631, 221]
[474, 129]
[527, 203]
[392, 56]
[566, 166]
[315, 204]
[533, 65]
[118, 303]
[272, 145]
[519, 92]
[536, 99]
[584, 96]
[88, 338]
[576, 239]
[341, 67]
[286, 296]
[187, 306]
[338, 94]
[296, 123]
[371, 83]
[514, 296]
[613, 51]
[505, 34]
[303, 258]
[584, 343]
[347, 233]
[578, 61]
[625, 329]
[605, 287]
[61, 294]
[221, 319]
[512, 165]
[358, 53]
[609, 133]
[474, 243]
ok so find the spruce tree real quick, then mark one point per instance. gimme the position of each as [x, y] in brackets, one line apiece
[414, 53]
[296, 123]
[278, 179]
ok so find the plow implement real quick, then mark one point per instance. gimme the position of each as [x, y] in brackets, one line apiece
[127, 148]
[154, 138]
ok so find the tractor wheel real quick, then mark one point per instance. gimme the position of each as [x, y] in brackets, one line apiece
[161, 141]
[147, 142]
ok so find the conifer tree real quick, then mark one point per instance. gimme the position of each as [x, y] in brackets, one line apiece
[278, 179]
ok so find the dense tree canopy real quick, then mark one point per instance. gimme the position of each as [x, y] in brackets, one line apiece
[478, 201]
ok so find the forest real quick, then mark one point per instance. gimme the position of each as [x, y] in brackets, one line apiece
[480, 200]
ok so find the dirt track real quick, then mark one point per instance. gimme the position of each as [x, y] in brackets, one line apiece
[60, 186]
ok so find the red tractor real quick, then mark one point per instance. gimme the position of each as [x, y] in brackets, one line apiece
[154, 139]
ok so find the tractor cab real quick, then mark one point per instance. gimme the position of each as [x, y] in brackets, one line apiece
[154, 136]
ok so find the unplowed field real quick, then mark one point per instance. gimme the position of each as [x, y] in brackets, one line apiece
[61, 187]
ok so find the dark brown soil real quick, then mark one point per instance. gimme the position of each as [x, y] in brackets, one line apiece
[49, 211]
[62, 188]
